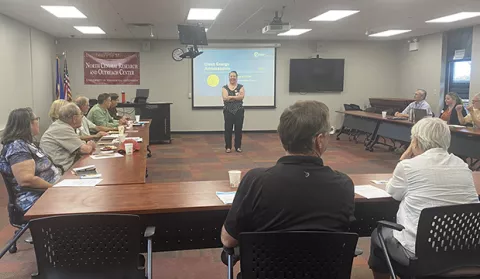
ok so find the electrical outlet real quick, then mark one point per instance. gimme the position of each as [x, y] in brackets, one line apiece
[189, 95]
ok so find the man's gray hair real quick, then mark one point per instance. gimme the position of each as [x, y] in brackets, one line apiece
[424, 93]
[68, 111]
[301, 123]
[81, 101]
[431, 133]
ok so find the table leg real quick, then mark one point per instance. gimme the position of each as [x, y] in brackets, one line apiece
[149, 154]
[342, 131]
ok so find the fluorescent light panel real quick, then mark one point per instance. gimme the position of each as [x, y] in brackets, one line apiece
[294, 32]
[203, 14]
[454, 17]
[334, 15]
[389, 33]
[64, 11]
[89, 29]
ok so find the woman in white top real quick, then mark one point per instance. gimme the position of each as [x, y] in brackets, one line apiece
[426, 176]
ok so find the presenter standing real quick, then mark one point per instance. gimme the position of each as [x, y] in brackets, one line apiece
[233, 112]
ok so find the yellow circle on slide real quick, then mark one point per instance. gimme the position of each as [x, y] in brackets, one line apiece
[213, 80]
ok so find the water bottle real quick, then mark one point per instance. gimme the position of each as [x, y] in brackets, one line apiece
[123, 97]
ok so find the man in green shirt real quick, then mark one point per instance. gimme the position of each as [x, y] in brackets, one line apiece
[99, 113]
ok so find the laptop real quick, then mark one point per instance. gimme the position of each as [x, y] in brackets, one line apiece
[141, 96]
[419, 114]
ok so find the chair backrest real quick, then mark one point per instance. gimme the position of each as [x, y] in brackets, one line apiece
[15, 214]
[448, 239]
[297, 255]
[355, 107]
[87, 246]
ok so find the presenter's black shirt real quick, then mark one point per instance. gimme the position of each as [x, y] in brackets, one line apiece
[235, 105]
[299, 193]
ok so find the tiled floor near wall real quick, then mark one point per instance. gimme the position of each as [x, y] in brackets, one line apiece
[193, 157]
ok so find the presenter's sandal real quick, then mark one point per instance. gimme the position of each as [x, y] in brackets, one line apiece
[228, 150]
[239, 150]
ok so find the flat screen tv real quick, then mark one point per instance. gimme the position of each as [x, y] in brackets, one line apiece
[316, 75]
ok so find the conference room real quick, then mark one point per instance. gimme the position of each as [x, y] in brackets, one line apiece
[239, 139]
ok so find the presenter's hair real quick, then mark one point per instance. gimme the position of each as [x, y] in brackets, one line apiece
[102, 97]
[234, 72]
[301, 123]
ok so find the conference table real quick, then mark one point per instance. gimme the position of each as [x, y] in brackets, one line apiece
[129, 169]
[465, 141]
[188, 215]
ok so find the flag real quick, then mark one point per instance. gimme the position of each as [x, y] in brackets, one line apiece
[58, 86]
[66, 83]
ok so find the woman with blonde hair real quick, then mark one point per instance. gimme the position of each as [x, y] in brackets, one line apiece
[55, 107]
[448, 113]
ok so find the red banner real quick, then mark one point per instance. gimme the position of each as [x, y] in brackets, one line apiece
[111, 67]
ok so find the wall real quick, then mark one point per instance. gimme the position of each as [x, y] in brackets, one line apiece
[475, 75]
[369, 72]
[26, 75]
[422, 69]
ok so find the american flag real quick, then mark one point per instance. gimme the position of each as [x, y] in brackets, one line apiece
[66, 83]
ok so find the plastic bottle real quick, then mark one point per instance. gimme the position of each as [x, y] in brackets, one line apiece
[123, 97]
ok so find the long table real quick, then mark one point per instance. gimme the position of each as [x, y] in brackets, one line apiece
[188, 215]
[129, 169]
[465, 141]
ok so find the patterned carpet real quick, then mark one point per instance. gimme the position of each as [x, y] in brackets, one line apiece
[193, 157]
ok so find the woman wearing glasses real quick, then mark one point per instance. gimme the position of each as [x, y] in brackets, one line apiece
[24, 166]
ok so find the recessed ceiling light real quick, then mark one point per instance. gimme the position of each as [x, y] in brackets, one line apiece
[203, 14]
[294, 32]
[64, 11]
[454, 17]
[89, 29]
[334, 15]
[389, 33]
[206, 29]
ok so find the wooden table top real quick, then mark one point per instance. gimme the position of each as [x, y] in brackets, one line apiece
[376, 116]
[155, 198]
[130, 169]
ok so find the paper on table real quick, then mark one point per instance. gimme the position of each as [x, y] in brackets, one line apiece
[226, 197]
[379, 182]
[78, 182]
[106, 156]
[456, 126]
[371, 192]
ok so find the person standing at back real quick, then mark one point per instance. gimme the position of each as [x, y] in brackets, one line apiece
[299, 193]
[233, 112]
[420, 103]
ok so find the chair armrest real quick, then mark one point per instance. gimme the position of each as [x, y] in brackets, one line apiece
[390, 225]
[229, 251]
[149, 232]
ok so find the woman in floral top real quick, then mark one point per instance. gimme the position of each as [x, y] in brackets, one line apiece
[24, 166]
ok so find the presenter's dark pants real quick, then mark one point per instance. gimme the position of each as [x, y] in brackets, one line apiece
[230, 121]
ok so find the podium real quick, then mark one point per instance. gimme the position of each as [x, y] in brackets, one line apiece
[160, 115]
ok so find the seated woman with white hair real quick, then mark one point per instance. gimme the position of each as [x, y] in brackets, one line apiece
[426, 176]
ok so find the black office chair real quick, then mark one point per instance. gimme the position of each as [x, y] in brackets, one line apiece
[311, 255]
[447, 243]
[15, 216]
[90, 246]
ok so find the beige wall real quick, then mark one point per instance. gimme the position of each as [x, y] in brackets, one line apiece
[370, 70]
[422, 69]
[475, 75]
[26, 74]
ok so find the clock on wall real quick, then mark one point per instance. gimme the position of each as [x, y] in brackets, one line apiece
[177, 54]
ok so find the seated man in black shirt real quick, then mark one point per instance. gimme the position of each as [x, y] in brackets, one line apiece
[299, 193]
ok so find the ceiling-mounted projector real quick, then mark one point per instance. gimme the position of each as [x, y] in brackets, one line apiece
[277, 25]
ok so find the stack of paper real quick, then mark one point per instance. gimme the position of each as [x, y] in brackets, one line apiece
[226, 197]
[78, 182]
[371, 192]
[137, 139]
[379, 182]
[106, 156]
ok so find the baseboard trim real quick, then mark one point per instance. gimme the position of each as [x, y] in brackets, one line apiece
[221, 132]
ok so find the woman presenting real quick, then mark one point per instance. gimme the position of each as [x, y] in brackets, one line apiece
[233, 112]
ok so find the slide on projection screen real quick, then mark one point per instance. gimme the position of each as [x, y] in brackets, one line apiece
[255, 68]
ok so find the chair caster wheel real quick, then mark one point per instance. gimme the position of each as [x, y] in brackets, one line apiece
[12, 250]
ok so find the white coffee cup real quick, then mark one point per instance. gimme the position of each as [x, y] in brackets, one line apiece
[121, 138]
[384, 114]
[129, 148]
[234, 176]
[137, 118]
